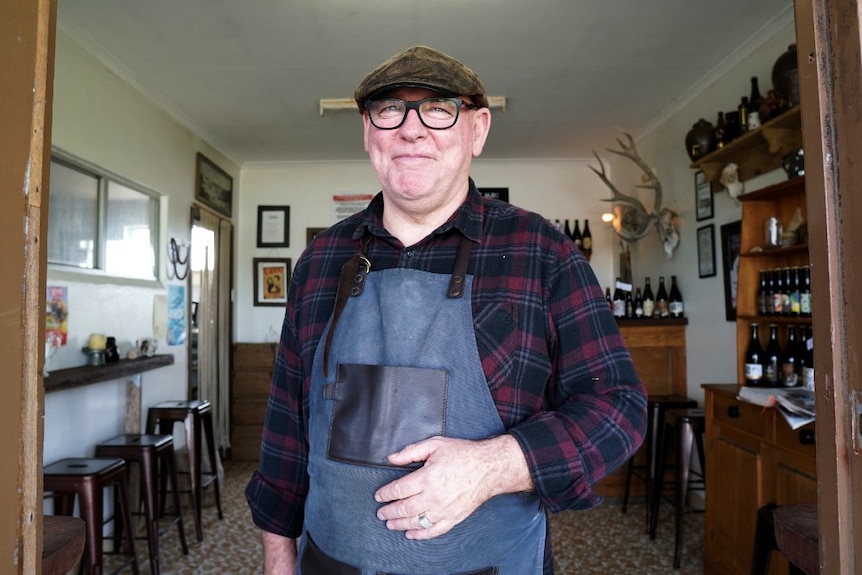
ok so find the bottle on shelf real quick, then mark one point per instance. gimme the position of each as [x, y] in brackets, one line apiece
[609, 299]
[719, 131]
[558, 225]
[754, 97]
[807, 359]
[805, 292]
[619, 300]
[743, 114]
[790, 359]
[795, 306]
[661, 302]
[587, 240]
[567, 229]
[771, 359]
[777, 293]
[753, 359]
[630, 306]
[649, 300]
[763, 294]
[576, 236]
[675, 306]
[639, 304]
[785, 295]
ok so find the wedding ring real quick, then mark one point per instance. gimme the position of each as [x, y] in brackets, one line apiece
[425, 522]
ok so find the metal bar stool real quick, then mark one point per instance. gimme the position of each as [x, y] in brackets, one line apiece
[657, 405]
[149, 451]
[87, 478]
[194, 414]
[686, 427]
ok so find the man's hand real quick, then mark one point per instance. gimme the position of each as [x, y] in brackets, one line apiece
[457, 477]
[279, 554]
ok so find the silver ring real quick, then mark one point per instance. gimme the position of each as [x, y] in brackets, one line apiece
[425, 522]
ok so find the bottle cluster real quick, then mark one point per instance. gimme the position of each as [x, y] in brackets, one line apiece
[790, 365]
[643, 304]
[785, 292]
[582, 239]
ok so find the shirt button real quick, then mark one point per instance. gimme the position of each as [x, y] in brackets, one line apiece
[410, 253]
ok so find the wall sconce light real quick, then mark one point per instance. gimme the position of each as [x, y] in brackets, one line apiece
[607, 217]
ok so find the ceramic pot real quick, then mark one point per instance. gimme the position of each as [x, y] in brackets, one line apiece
[700, 140]
[785, 76]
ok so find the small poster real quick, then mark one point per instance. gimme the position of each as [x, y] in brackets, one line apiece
[346, 205]
[57, 314]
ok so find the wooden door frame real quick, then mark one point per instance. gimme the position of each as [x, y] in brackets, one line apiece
[830, 73]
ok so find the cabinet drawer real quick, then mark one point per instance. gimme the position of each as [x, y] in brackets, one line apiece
[799, 441]
[727, 410]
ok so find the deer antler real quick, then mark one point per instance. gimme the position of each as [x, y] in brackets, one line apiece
[630, 151]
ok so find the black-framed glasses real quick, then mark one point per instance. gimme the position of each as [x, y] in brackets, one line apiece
[434, 113]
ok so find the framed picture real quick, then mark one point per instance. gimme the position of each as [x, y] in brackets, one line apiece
[273, 226]
[702, 196]
[213, 186]
[730, 239]
[310, 233]
[706, 251]
[271, 279]
[496, 193]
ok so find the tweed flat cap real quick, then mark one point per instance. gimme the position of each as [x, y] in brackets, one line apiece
[422, 67]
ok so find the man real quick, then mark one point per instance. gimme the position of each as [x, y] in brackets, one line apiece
[448, 368]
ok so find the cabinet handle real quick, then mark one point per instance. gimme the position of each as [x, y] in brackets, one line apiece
[733, 411]
[806, 437]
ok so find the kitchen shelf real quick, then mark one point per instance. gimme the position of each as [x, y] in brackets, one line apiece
[80, 376]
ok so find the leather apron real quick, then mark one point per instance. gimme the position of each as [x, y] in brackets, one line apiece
[403, 366]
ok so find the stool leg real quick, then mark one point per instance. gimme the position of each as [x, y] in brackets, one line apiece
[629, 471]
[170, 462]
[685, 437]
[193, 441]
[148, 494]
[653, 489]
[127, 519]
[91, 513]
[208, 429]
[764, 540]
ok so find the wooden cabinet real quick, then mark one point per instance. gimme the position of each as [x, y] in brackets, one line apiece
[252, 373]
[753, 458]
[782, 201]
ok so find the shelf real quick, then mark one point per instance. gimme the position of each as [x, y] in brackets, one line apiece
[775, 191]
[773, 252]
[776, 319]
[651, 322]
[758, 151]
[87, 374]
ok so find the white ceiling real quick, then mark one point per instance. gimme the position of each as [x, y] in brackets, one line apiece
[247, 75]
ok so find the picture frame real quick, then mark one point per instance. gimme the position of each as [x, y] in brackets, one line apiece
[311, 232]
[706, 251]
[501, 194]
[213, 186]
[273, 226]
[731, 235]
[703, 199]
[271, 281]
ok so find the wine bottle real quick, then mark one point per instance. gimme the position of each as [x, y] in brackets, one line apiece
[619, 300]
[785, 295]
[777, 293]
[789, 359]
[609, 299]
[675, 305]
[719, 130]
[808, 360]
[743, 114]
[661, 304]
[753, 359]
[805, 293]
[558, 225]
[567, 230]
[576, 236]
[639, 304]
[771, 359]
[630, 305]
[762, 294]
[795, 306]
[649, 300]
[754, 98]
[587, 240]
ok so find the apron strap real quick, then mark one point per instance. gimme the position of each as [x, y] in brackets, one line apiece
[350, 284]
[459, 272]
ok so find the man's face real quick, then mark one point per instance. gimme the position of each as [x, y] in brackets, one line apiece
[421, 169]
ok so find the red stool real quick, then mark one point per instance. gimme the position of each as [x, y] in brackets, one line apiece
[87, 478]
[149, 451]
[657, 406]
[194, 415]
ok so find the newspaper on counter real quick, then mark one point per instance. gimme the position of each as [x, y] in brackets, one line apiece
[796, 405]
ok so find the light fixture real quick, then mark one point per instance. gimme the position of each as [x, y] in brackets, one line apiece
[607, 217]
[339, 104]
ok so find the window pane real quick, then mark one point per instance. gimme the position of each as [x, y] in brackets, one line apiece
[131, 230]
[72, 217]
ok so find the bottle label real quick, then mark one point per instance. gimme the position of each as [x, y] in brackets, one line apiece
[770, 374]
[788, 375]
[808, 378]
[777, 304]
[649, 307]
[639, 311]
[805, 303]
[676, 308]
[795, 304]
[753, 372]
[587, 243]
[619, 307]
[662, 309]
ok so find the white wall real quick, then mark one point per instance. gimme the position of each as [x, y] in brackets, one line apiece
[563, 189]
[99, 118]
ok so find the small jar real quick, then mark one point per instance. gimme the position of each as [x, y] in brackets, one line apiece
[112, 354]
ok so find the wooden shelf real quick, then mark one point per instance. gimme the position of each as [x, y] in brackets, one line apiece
[774, 252]
[88, 374]
[758, 151]
[651, 322]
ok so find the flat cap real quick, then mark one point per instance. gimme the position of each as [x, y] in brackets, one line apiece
[422, 67]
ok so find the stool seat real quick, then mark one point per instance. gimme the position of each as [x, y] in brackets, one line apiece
[196, 417]
[86, 478]
[148, 451]
[657, 406]
[63, 543]
[797, 535]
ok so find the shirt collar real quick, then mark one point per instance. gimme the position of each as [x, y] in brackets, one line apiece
[467, 218]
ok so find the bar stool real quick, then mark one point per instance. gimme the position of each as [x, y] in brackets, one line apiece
[686, 427]
[87, 478]
[149, 451]
[194, 414]
[657, 405]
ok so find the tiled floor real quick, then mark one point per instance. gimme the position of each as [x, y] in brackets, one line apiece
[600, 541]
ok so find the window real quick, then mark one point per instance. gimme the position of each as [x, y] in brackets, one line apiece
[99, 221]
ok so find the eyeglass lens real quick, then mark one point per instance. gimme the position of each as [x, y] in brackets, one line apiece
[434, 113]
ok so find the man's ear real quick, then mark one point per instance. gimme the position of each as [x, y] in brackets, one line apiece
[481, 127]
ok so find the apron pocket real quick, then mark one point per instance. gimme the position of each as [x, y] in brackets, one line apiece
[486, 571]
[315, 562]
[379, 409]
